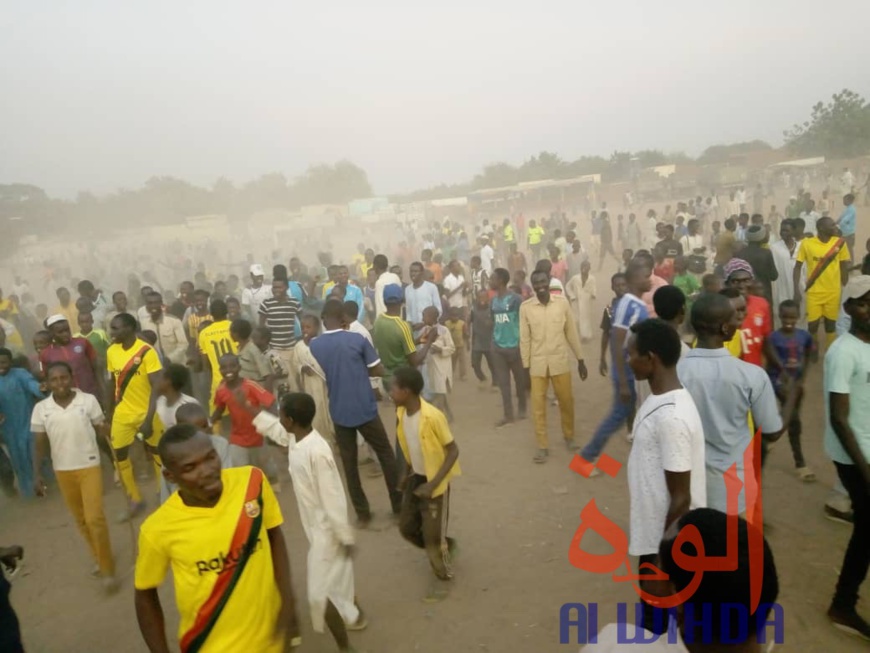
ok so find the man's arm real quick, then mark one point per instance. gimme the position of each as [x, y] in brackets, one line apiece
[620, 367]
[772, 272]
[570, 330]
[149, 614]
[287, 624]
[40, 445]
[264, 369]
[377, 369]
[205, 365]
[525, 338]
[680, 491]
[605, 341]
[178, 352]
[148, 425]
[451, 455]
[844, 272]
[796, 279]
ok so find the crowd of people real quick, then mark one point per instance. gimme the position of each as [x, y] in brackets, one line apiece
[708, 340]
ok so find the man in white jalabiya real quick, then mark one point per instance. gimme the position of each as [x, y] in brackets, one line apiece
[323, 513]
[784, 253]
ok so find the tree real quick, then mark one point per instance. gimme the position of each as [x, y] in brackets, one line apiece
[650, 158]
[840, 128]
[546, 165]
[724, 153]
[495, 175]
[330, 184]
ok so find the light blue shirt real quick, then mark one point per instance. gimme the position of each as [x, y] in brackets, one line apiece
[419, 299]
[354, 294]
[847, 221]
[726, 390]
[847, 371]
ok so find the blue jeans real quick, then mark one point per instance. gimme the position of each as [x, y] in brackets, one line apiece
[618, 415]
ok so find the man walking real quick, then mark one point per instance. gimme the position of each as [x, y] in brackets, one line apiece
[547, 332]
[847, 442]
[506, 359]
[393, 338]
[279, 314]
[348, 360]
[727, 391]
[827, 261]
[135, 368]
[629, 310]
[666, 475]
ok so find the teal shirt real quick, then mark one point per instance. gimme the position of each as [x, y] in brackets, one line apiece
[506, 321]
[847, 371]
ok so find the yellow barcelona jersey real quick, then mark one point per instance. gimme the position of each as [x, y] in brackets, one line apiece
[130, 369]
[811, 253]
[214, 342]
[198, 544]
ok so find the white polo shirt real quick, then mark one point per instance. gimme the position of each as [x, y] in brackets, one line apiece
[70, 430]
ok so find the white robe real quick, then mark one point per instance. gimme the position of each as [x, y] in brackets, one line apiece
[323, 513]
[582, 298]
[439, 366]
[783, 287]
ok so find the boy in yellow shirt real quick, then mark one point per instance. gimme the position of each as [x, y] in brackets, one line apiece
[431, 456]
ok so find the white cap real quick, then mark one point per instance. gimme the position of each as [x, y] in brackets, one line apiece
[257, 270]
[54, 319]
[857, 287]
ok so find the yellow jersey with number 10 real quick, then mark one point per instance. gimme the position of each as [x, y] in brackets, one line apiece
[214, 342]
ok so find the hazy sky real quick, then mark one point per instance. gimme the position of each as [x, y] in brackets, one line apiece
[104, 94]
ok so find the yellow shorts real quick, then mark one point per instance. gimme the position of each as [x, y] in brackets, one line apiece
[824, 306]
[124, 432]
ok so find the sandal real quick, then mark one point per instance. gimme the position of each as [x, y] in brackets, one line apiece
[806, 474]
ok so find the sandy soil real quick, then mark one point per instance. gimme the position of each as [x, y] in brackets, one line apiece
[514, 521]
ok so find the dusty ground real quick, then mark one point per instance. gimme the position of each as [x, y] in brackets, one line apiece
[514, 521]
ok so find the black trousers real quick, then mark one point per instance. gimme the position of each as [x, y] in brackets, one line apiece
[477, 356]
[10, 631]
[374, 433]
[795, 429]
[857, 558]
[507, 362]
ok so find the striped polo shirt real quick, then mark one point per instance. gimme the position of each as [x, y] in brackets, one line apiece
[281, 319]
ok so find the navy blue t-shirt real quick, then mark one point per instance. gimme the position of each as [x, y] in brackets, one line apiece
[346, 358]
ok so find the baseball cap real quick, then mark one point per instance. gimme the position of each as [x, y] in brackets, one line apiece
[54, 319]
[393, 294]
[257, 270]
[857, 287]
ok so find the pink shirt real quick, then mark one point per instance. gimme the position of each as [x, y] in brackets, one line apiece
[656, 282]
[560, 270]
[80, 355]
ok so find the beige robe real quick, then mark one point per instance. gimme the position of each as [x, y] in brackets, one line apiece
[315, 385]
[582, 299]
